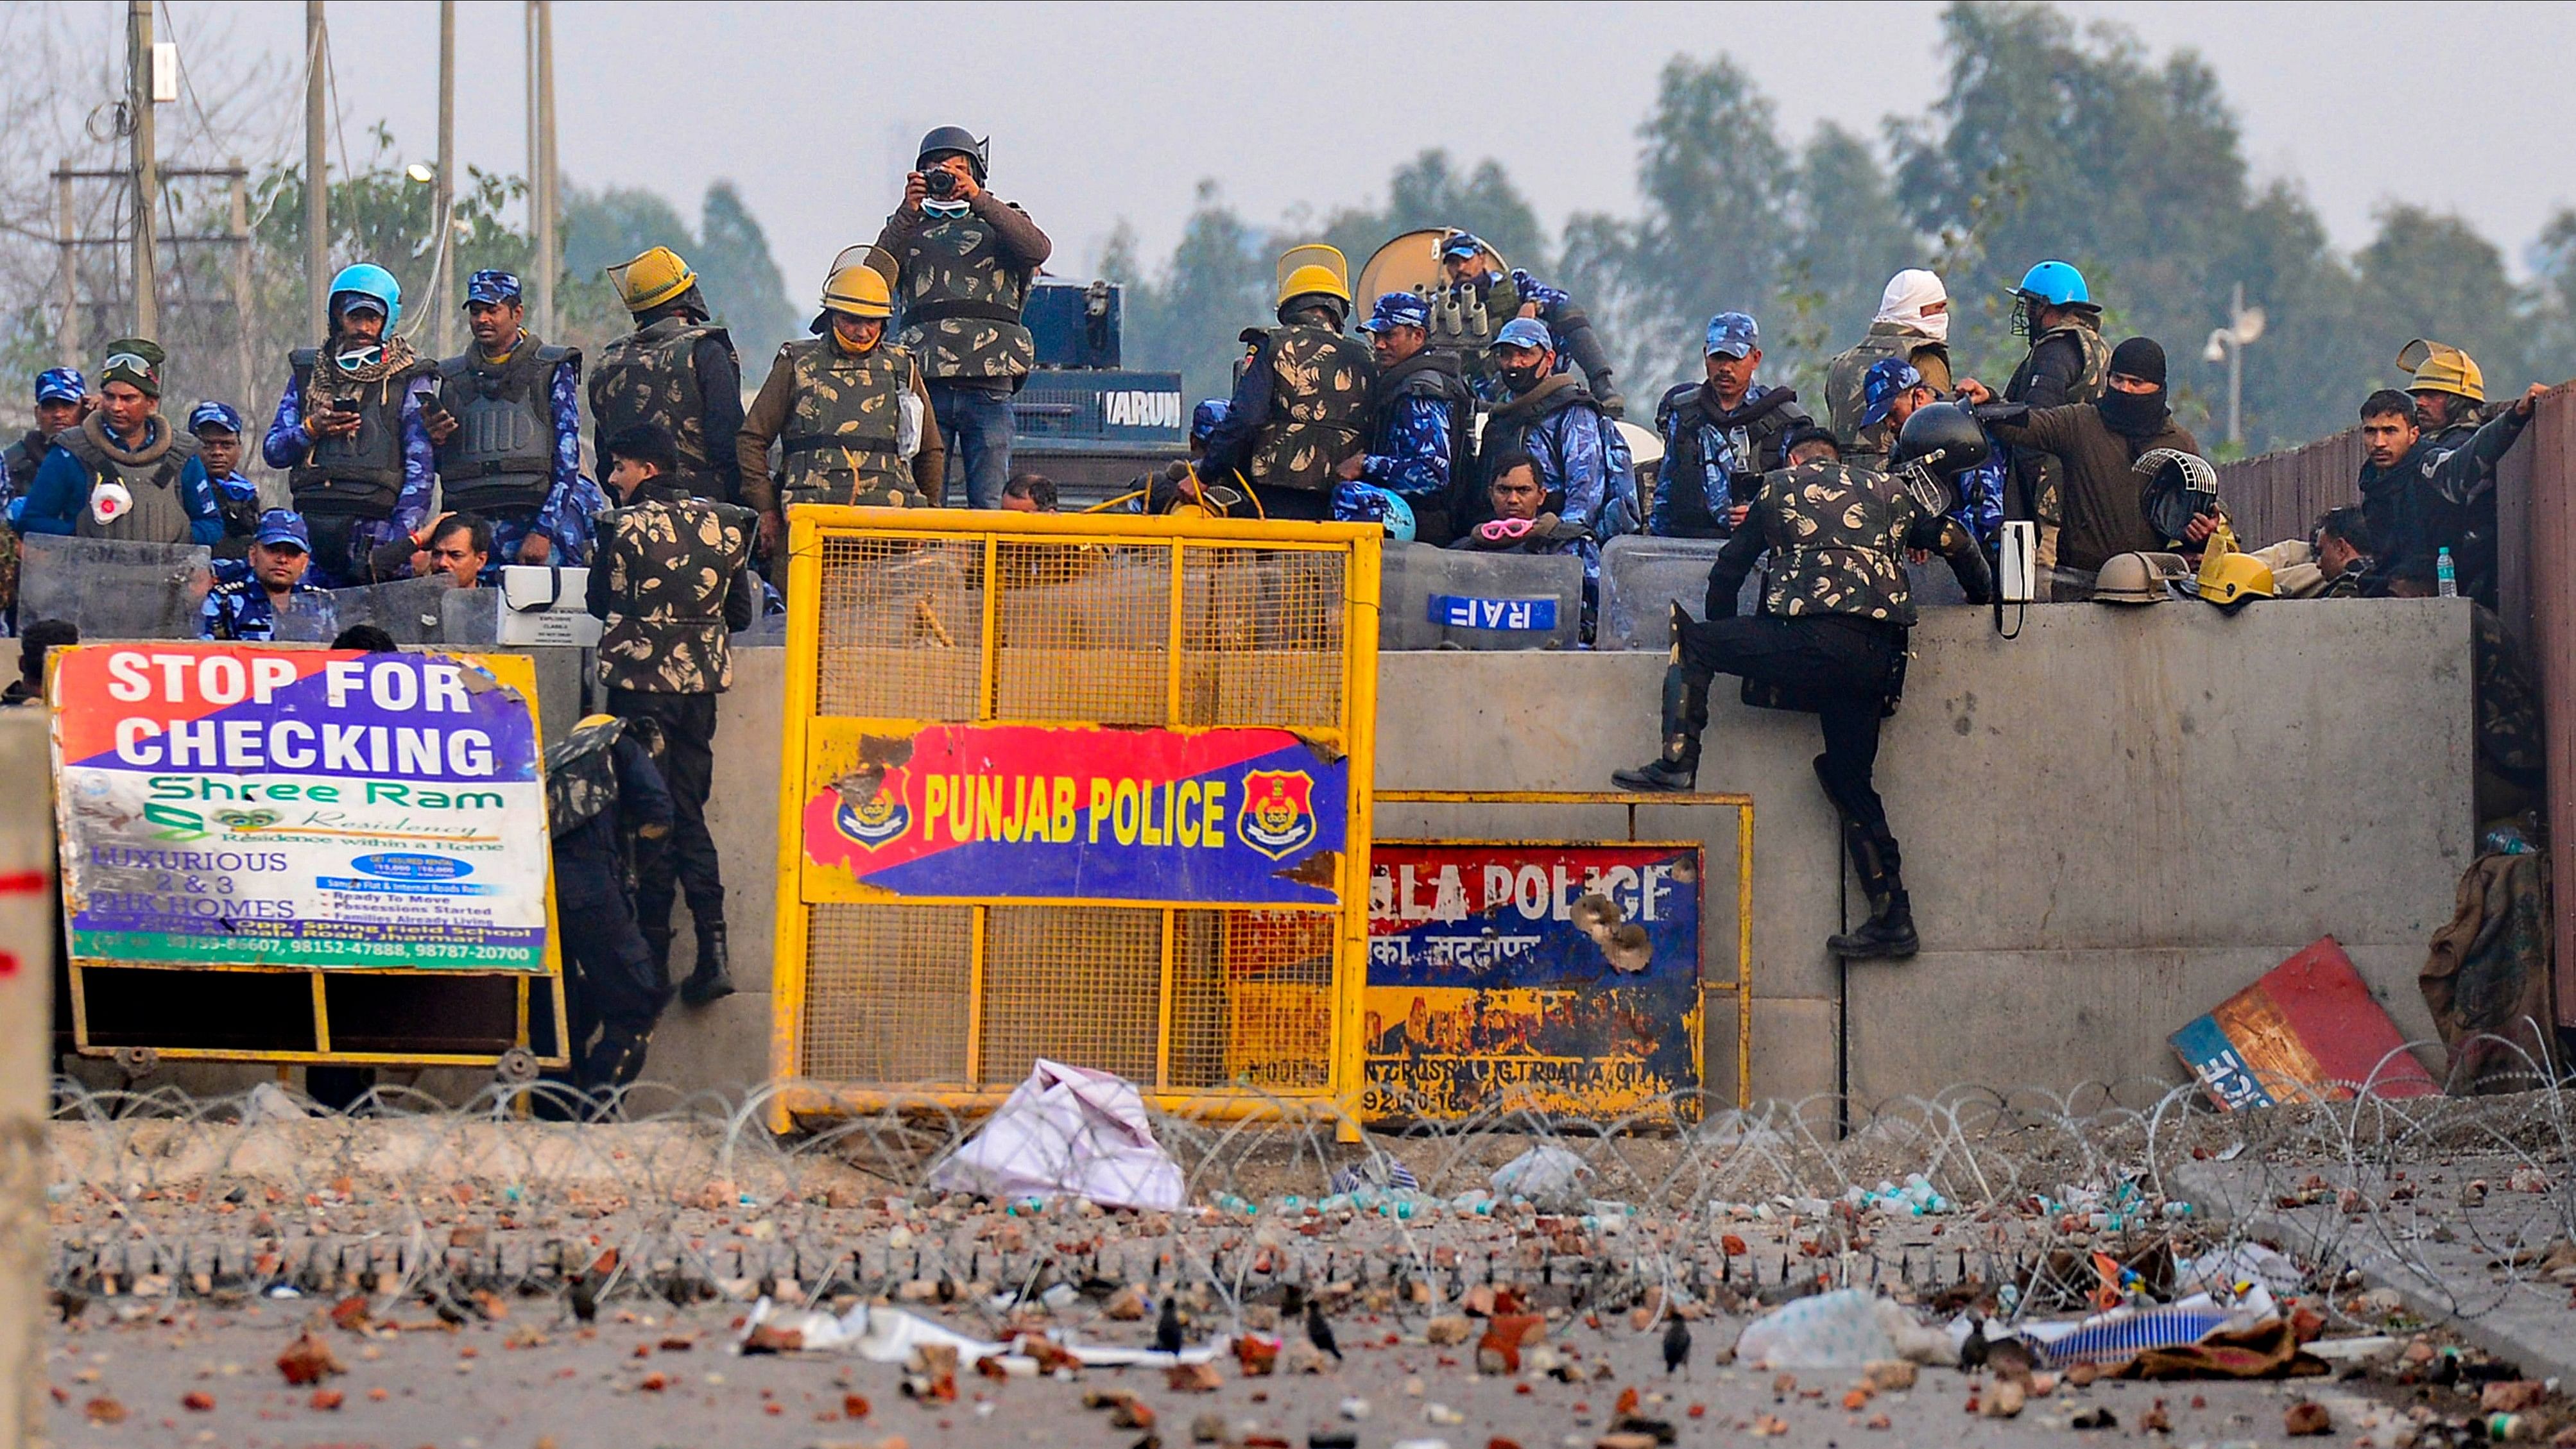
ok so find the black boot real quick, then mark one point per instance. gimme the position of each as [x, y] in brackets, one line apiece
[711, 981]
[1888, 934]
[657, 940]
[1676, 770]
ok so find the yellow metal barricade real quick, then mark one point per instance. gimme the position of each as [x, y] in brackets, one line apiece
[1092, 789]
[1741, 988]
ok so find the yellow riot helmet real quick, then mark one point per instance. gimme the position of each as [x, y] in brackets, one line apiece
[2230, 579]
[2440, 367]
[651, 278]
[858, 291]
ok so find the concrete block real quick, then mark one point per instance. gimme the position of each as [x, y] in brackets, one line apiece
[1793, 1050]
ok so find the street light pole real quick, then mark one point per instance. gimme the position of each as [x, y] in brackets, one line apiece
[147, 171]
[443, 296]
[317, 181]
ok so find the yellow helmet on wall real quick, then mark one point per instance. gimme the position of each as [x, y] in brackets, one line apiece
[653, 277]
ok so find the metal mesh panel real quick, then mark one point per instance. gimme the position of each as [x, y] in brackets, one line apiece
[1252, 999]
[1085, 632]
[1074, 984]
[886, 990]
[1261, 637]
[902, 628]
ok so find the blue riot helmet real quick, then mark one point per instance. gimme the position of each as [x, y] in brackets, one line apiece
[373, 282]
[1368, 503]
[2053, 283]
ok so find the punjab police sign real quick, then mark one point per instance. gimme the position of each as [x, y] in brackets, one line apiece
[1076, 812]
[244, 805]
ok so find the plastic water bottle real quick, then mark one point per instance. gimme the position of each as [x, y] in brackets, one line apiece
[2446, 575]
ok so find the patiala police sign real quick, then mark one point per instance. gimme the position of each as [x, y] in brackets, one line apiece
[238, 804]
[1077, 812]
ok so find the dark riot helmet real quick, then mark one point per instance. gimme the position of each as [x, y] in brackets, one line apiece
[978, 151]
[1944, 438]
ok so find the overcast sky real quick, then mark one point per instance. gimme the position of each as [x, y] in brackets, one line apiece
[1104, 111]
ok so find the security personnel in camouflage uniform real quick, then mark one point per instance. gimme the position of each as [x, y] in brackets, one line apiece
[126, 442]
[963, 260]
[1421, 420]
[1831, 637]
[2068, 363]
[351, 430]
[671, 576]
[509, 445]
[1912, 327]
[611, 816]
[62, 395]
[2450, 472]
[675, 369]
[1301, 407]
[851, 412]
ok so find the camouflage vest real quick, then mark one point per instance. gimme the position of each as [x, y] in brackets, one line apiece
[581, 774]
[962, 300]
[360, 476]
[1837, 537]
[502, 454]
[669, 566]
[840, 442]
[152, 476]
[2097, 362]
[651, 375]
[1843, 379]
[1319, 408]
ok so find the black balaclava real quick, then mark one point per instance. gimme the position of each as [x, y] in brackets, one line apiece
[2136, 414]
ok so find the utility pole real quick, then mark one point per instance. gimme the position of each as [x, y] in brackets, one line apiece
[238, 227]
[147, 173]
[317, 180]
[67, 234]
[443, 296]
[541, 162]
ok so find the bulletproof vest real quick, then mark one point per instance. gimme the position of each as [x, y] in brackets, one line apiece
[502, 454]
[1319, 404]
[1429, 373]
[1843, 379]
[24, 457]
[581, 775]
[2088, 383]
[842, 436]
[650, 375]
[962, 300]
[1680, 417]
[1837, 537]
[1511, 422]
[159, 514]
[360, 476]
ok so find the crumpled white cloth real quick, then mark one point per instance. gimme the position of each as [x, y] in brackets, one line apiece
[890, 1335]
[1069, 1132]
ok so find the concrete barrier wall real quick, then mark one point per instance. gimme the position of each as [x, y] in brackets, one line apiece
[2110, 823]
[26, 1078]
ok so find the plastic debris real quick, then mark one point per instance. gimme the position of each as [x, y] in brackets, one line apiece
[1840, 1329]
[1548, 1178]
[892, 1335]
[1067, 1131]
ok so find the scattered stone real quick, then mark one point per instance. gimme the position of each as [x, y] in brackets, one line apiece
[308, 1360]
[1890, 1375]
[2005, 1399]
[1193, 1378]
[2513, 1396]
[1447, 1330]
[2306, 1417]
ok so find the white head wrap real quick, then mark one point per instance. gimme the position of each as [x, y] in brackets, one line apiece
[1907, 294]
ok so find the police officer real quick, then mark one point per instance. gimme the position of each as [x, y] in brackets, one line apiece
[1480, 298]
[1893, 391]
[509, 440]
[1553, 417]
[62, 397]
[1912, 327]
[672, 579]
[675, 370]
[351, 432]
[218, 431]
[1300, 407]
[2450, 471]
[612, 816]
[852, 412]
[2068, 362]
[123, 471]
[281, 551]
[964, 259]
[1720, 435]
[1831, 637]
[1421, 416]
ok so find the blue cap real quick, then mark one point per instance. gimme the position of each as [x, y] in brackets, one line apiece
[1735, 334]
[60, 384]
[1887, 379]
[492, 285]
[1461, 244]
[283, 525]
[1398, 309]
[214, 414]
[1205, 417]
[1525, 332]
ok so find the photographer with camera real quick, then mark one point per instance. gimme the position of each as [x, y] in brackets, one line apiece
[964, 259]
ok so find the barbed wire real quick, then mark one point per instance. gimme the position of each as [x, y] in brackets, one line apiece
[1973, 1196]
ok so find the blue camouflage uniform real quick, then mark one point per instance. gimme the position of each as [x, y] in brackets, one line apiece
[1713, 460]
[285, 444]
[1568, 444]
[1980, 508]
[1419, 404]
[239, 607]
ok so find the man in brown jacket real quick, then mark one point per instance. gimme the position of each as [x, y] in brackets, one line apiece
[2096, 443]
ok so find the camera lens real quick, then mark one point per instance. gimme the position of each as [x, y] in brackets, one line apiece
[939, 182]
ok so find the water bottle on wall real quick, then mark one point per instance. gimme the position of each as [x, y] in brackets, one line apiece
[2446, 575]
